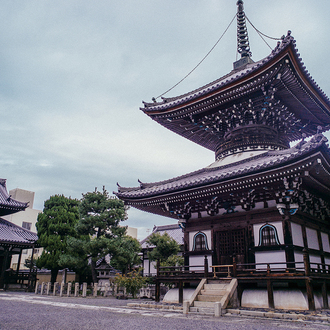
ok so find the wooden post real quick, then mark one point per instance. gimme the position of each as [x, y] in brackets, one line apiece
[234, 267]
[206, 267]
[68, 293]
[42, 288]
[36, 288]
[49, 284]
[157, 291]
[84, 293]
[270, 292]
[95, 289]
[61, 289]
[30, 271]
[55, 288]
[325, 295]
[306, 262]
[19, 261]
[310, 295]
[180, 292]
[76, 289]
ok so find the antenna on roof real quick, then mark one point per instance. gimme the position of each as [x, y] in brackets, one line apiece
[243, 46]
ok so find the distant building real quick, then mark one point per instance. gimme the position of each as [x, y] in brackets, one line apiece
[174, 231]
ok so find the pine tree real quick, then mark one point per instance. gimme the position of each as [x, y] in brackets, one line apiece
[54, 225]
[100, 217]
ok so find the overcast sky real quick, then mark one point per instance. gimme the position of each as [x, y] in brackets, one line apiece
[73, 75]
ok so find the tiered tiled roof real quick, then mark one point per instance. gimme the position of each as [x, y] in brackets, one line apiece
[7, 204]
[11, 234]
[204, 114]
[216, 172]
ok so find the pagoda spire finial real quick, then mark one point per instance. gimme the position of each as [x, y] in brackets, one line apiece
[243, 46]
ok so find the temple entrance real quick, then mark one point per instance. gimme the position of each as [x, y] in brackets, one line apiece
[229, 243]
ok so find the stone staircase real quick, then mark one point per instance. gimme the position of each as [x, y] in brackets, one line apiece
[211, 296]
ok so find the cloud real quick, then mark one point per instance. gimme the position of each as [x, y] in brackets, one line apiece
[74, 73]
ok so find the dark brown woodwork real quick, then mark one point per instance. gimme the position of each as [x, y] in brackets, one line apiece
[270, 293]
[310, 295]
[325, 295]
[229, 243]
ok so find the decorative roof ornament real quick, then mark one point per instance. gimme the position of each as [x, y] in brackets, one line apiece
[243, 46]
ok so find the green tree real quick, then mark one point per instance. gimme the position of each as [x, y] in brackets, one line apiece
[54, 225]
[125, 254]
[100, 216]
[165, 246]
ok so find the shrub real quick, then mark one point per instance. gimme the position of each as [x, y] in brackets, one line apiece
[132, 282]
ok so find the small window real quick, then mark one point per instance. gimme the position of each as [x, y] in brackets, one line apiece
[200, 242]
[268, 236]
[27, 225]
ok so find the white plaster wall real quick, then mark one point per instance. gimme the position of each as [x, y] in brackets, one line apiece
[269, 257]
[312, 240]
[314, 258]
[153, 270]
[325, 242]
[146, 267]
[327, 261]
[299, 257]
[208, 237]
[199, 261]
[297, 235]
[277, 225]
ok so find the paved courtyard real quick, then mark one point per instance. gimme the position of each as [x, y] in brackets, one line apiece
[26, 311]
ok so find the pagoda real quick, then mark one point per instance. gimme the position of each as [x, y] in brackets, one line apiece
[265, 198]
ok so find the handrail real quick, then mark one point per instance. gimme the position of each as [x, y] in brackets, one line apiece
[221, 266]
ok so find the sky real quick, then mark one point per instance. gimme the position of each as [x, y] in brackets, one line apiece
[74, 73]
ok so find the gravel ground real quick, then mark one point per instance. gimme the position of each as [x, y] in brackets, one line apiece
[26, 311]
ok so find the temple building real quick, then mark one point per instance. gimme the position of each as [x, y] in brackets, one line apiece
[264, 201]
[13, 241]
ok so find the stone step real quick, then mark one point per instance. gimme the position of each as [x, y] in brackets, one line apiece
[204, 304]
[215, 286]
[213, 292]
[215, 298]
[201, 310]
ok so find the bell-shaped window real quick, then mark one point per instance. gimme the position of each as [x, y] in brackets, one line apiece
[200, 242]
[268, 236]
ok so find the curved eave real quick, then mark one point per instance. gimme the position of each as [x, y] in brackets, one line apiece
[187, 100]
[171, 188]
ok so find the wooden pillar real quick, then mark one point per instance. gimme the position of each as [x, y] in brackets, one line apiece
[310, 294]
[158, 267]
[234, 266]
[180, 292]
[157, 291]
[4, 267]
[325, 295]
[287, 233]
[270, 292]
[306, 262]
[206, 267]
[19, 261]
[30, 271]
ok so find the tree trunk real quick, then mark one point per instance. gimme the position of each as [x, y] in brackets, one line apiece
[94, 274]
[53, 275]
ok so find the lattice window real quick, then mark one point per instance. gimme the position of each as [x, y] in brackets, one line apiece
[200, 242]
[231, 242]
[268, 236]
